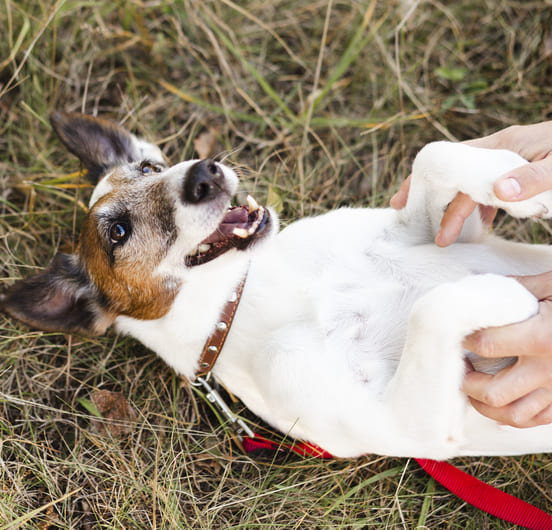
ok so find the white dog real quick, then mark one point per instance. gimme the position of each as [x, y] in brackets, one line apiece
[350, 326]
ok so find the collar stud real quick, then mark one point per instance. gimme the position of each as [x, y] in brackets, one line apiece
[215, 341]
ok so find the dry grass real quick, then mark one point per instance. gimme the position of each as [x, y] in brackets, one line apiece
[323, 103]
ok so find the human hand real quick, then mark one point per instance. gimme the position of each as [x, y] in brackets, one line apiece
[520, 395]
[453, 219]
[532, 142]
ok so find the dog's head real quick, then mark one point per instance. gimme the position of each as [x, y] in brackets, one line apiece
[148, 224]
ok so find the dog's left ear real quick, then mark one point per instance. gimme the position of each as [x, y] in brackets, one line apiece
[60, 298]
[100, 144]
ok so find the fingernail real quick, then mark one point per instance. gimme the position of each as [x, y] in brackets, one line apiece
[508, 188]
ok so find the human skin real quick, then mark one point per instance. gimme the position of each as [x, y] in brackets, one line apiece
[520, 395]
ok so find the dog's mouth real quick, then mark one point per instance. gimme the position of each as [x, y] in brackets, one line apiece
[240, 226]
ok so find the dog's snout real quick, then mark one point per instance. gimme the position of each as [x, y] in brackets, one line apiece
[203, 182]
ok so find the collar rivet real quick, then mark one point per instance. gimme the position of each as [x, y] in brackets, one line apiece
[215, 342]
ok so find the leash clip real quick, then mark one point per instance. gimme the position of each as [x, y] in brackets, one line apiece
[239, 427]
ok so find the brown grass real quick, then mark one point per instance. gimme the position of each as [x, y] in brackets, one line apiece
[323, 103]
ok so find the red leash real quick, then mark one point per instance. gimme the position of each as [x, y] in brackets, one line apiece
[486, 497]
[466, 487]
[256, 442]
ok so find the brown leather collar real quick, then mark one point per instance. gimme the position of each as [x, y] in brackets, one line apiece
[215, 341]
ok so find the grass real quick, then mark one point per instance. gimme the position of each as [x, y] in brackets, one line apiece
[322, 103]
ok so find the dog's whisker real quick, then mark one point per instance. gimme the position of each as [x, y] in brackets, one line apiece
[222, 156]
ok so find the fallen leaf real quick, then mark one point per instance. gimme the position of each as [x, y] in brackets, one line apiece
[115, 408]
[204, 144]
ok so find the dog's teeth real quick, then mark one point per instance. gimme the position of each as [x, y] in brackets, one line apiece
[241, 232]
[252, 204]
[204, 247]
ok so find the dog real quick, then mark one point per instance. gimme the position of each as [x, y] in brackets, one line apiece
[350, 327]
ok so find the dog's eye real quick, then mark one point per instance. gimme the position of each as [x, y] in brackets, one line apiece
[118, 232]
[147, 168]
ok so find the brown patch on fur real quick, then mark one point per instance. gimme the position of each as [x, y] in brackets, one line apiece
[128, 289]
[125, 274]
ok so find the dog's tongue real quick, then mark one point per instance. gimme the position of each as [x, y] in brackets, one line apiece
[235, 218]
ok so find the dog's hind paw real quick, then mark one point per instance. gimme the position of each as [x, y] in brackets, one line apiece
[476, 302]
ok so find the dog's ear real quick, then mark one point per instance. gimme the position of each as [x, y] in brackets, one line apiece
[60, 298]
[100, 144]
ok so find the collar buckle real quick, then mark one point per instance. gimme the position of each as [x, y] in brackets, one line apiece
[240, 428]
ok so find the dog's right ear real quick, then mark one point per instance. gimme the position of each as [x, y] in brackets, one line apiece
[60, 298]
[100, 144]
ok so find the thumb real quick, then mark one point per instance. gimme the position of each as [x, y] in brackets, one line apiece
[525, 181]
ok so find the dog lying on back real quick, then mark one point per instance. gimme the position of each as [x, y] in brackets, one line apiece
[350, 327]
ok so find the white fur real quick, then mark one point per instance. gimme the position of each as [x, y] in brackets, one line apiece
[103, 188]
[350, 326]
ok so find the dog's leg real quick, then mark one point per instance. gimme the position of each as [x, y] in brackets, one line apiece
[424, 397]
[442, 169]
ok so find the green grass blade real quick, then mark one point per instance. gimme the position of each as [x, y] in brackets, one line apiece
[428, 497]
[357, 43]
[353, 491]
[264, 84]
[190, 98]
[32, 514]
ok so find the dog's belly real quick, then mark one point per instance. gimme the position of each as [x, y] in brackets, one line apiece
[346, 320]
[361, 287]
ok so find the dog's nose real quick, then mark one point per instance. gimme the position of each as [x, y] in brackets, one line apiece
[203, 182]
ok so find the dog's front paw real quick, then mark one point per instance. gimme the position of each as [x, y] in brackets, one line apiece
[538, 206]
